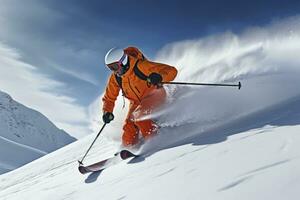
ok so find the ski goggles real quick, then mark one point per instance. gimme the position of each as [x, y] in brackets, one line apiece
[117, 66]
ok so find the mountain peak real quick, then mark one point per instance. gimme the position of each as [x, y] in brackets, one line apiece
[26, 134]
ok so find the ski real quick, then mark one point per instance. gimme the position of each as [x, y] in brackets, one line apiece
[93, 167]
[99, 166]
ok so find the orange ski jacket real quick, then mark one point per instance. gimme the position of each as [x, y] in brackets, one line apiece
[133, 87]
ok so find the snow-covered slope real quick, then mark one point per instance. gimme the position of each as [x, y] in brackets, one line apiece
[214, 143]
[25, 134]
[228, 162]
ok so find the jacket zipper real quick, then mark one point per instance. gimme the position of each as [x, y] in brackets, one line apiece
[133, 90]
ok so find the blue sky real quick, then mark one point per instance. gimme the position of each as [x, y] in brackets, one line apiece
[65, 41]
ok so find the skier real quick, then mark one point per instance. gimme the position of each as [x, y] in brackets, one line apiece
[140, 81]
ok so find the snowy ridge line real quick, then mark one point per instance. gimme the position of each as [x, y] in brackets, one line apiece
[26, 134]
[24, 146]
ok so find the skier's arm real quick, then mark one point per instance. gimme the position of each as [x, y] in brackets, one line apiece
[167, 72]
[111, 94]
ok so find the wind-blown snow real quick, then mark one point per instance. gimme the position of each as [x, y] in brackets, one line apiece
[215, 143]
[264, 59]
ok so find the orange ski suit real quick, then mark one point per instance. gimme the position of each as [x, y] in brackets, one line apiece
[142, 96]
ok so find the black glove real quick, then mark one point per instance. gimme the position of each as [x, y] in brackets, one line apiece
[107, 117]
[154, 79]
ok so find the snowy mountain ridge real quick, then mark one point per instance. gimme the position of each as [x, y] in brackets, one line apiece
[25, 134]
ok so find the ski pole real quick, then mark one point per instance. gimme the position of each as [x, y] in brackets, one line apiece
[80, 162]
[239, 85]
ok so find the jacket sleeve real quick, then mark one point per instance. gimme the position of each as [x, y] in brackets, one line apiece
[167, 72]
[111, 94]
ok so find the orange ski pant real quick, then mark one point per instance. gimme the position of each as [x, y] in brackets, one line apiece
[135, 123]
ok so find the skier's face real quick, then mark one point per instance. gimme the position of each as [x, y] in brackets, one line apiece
[118, 67]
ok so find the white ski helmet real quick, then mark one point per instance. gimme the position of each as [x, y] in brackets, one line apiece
[116, 55]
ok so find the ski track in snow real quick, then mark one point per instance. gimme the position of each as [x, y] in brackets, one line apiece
[250, 174]
[25, 147]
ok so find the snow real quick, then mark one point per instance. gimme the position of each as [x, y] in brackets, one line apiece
[25, 134]
[15, 154]
[256, 164]
[214, 143]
